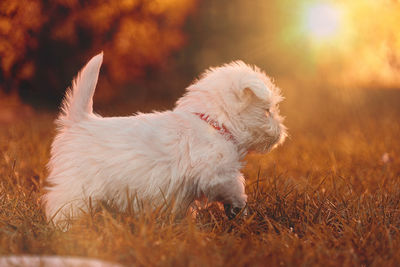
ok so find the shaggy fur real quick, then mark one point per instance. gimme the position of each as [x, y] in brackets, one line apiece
[172, 156]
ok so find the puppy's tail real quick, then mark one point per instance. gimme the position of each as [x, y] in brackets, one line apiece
[78, 100]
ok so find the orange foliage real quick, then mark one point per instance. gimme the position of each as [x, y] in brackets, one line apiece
[142, 32]
[19, 22]
[134, 34]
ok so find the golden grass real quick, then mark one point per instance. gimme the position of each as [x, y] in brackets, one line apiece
[326, 197]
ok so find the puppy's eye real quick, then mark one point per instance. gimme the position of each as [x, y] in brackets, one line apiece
[267, 112]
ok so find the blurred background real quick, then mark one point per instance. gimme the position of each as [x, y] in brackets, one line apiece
[345, 50]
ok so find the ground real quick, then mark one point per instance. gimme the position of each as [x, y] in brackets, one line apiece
[329, 196]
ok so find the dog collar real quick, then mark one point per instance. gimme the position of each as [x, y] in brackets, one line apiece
[220, 128]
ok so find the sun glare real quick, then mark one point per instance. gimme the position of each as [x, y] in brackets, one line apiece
[322, 20]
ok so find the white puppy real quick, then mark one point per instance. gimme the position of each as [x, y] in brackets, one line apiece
[176, 156]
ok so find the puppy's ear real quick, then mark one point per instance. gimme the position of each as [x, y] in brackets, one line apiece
[257, 87]
[250, 88]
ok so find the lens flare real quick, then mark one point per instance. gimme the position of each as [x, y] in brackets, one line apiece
[322, 20]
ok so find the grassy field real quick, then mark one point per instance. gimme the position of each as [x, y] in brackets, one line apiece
[329, 196]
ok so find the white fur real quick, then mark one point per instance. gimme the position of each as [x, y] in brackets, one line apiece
[171, 156]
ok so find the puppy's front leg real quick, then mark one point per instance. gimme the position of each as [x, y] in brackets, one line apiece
[231, 192]
[237, 204]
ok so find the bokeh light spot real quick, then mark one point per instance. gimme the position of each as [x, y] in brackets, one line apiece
[322, 20]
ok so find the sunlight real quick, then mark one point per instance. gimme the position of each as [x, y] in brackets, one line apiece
[322, 20]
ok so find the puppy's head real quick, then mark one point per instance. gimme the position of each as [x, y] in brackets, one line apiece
[244, 99]
[257, 110]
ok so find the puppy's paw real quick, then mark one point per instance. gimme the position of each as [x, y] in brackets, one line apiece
[232, 211]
